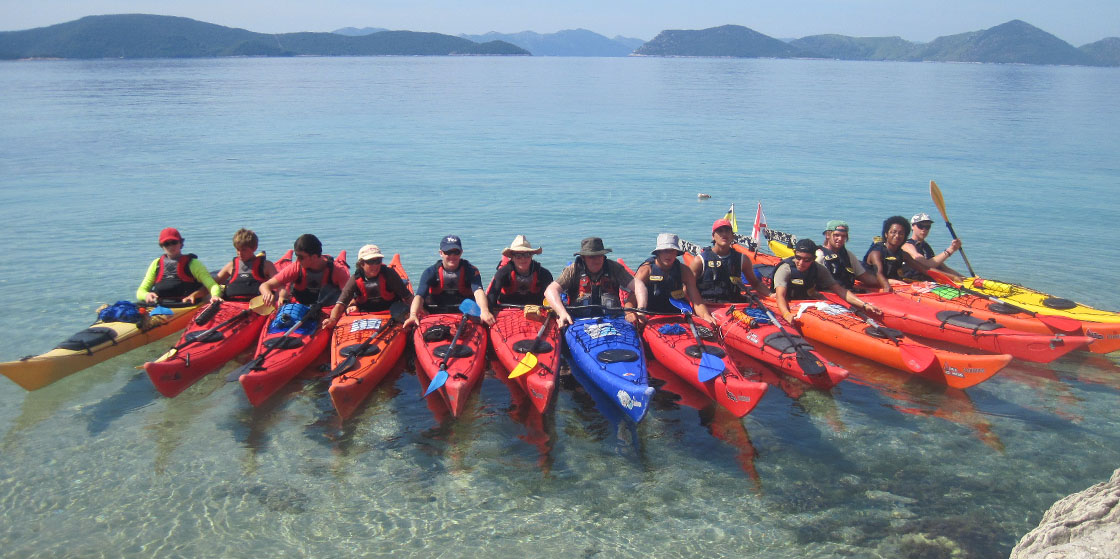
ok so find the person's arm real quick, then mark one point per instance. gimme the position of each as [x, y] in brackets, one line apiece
[496, 284]
[200, 273]
[781, 291]
[635, 285]
[748, 271]
[278, 282]
[343, 302]
[552, 294]
[416, 309]
[480, 297]
[144, 292]
[225, 273]
[855, 301]
[875, 258]
[693, 293]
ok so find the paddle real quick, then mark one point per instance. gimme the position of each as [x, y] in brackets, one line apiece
[807, 361]
[528, 362]
[326, 293]
[710, 365]
[939, 201]
[469, 308]
[1061, 323]
[255, 306]
[397, 310]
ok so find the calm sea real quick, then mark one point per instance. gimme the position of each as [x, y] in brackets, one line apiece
[97, 156]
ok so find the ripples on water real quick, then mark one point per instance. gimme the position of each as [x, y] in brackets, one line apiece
[98, 156]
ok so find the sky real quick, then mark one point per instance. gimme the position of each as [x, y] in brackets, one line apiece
[1075, 21]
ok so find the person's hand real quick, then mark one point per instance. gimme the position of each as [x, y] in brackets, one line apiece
[872, 309]
[189, 299]
[268, 297]
[151, 298]
[487, 318]
[763, 291]
[954, 246]
[328, 323]
[788, 317]
[563, 318]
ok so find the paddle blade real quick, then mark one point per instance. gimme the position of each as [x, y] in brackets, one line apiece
[244, 369]
[1062, 323]
[938, 199]
[437, 382]
[345, 365]
[941, 277]
[257, 306]
[917, 358]
[468, 306]
[524, 366]
[810, 364]
[681, 304]
[710, 367]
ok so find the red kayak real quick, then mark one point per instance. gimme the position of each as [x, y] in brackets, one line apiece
[673, 345]
[280, 358]
[432, 340]
[962, 328]
[373, 360]
[512, 337]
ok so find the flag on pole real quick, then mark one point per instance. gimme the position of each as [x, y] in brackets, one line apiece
[759, 225]
[731, 217]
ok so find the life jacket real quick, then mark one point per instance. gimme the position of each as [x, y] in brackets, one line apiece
[174, 279]
[925, 250]
[892, 262]
[839, 264]
[246, 280]
[600, 290]
[451, 287]
[800, 283]
[307, 284]
[518, 289]
[662, 283]
[720, 280]
[382, 297]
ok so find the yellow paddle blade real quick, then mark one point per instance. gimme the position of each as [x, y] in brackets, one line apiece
[527, 363]
[938, 199]
[257, 305]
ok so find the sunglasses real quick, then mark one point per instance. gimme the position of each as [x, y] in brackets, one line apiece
[169, 243]
[799, 258]
[923, 226]
[453, 252]
[520, 255]
[372, 261]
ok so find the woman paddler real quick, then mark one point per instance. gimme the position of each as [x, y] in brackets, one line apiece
[917, 247]
[242, 278]
[521, 280]
[719, 268]
[448, 282]
[593, 280]
[176, 276]
[887, 258]
[665, 278]
[373, 287]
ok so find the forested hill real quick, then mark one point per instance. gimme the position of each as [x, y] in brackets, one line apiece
[153, 36]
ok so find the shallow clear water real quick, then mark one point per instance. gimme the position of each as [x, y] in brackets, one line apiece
[96, 157]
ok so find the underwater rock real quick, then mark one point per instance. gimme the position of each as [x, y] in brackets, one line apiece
[1084, 525]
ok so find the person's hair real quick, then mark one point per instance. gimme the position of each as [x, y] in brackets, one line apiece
[245, 238]
[899, 220]
[310, 244]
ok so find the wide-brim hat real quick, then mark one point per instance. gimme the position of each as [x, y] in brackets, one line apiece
[369, 252]
[520, 244]
[592, 246]
[667, 241]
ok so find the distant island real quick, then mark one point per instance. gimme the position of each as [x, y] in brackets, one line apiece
[154, 36]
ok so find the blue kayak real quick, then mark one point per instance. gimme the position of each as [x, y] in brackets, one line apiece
[607, 359]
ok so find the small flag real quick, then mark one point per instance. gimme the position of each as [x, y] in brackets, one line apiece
[731, 217]
[759, 225]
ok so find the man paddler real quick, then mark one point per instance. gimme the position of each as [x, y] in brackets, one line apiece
[800, 277]
[666, 278]
[448, 282]
[593, 280]
[841, 262]
[310, 274]
[720, 268]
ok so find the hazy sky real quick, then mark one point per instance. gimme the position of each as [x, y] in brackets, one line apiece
[1075, 21]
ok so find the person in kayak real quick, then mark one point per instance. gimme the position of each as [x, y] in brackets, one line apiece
[801, 277]
[176, 276]
[520, 280]
[593, 280]
[373, 287]
[917, 247]
[720, 268]
[886, 256]
[841, 262]
[242, 277]
[666, 278]
[311, 272]
[448, 282]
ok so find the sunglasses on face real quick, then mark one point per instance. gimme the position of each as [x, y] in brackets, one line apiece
[521, 255]
[169, 243]
[923, 226]
[372, 261]
[453, 252]
[799, 258]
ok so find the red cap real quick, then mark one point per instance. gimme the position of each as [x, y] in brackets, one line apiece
[721, 222]
[169, 234]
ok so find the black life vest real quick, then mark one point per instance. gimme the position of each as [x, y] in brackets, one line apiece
[245, 281]
[374, 293]
[839, 264]
[174, 279]
[925, 250]
[662, 283]
[599, 290]
[518, 289]
[800, 283]
[892, 261]
[307, 285]
[721, 279]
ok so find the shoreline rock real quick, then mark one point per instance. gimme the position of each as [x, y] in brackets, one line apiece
[1084, 525]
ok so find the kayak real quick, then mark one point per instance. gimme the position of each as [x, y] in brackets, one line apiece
[432, 340]
[674, 347]
[606, 357]
[837, 326]
[1039, 302]
[285, 356]
[99, 342]
[947, 297]
[964, 329]
[235, 328]
[374, 361]
[512, 336]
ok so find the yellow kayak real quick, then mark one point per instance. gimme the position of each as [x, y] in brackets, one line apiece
[95, 344]
[1039, 302]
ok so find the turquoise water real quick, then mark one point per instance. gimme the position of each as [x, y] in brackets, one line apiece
[96, 157]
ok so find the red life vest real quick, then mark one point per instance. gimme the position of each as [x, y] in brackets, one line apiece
[182, 268]
[511, 287]
[245, 287]
[302, 277]
[383, 291]
[461, 284]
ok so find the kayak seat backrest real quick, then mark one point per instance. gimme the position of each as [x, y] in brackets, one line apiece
[882, 332]
[1003, 308]
[617, 356]
[89, 338]
[437, 333]
[283, 342]
[1059, 303]
[786, 344]
[461, 350]
[525, 346]
[963, 320]
[204, 336]
[371, 349]
[694, 351]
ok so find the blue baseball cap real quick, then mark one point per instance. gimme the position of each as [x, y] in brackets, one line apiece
[450, 242]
